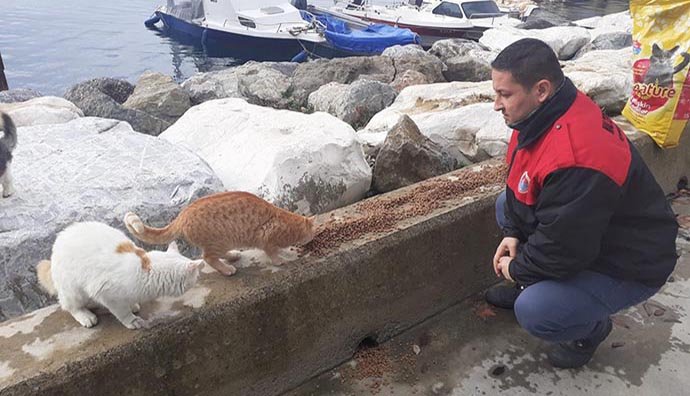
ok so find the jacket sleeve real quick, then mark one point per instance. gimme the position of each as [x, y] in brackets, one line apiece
[573, 210]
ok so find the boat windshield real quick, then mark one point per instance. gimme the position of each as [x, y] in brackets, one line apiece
[480, 9]
[448, 9]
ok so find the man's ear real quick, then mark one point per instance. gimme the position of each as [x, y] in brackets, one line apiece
[544, 89]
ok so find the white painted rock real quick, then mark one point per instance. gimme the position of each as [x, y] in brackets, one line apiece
[602, 61]
[618, 22]
[304, 163]
[564, 40]
[86, 169]
[610, 91]
[449, 114]
[420, 99]
[42, 110]
[605, 76]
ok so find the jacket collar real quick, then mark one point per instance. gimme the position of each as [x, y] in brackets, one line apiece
[540, 120]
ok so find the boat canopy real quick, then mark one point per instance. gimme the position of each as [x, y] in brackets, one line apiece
[369, 41]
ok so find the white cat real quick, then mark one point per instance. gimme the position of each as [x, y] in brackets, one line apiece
[93, 264]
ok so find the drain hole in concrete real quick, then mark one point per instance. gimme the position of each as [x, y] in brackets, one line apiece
[367, 343]
[497, 370]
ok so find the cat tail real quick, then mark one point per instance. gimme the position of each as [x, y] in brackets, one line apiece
[683, 63]
[151, 235]
[10, 135]
[45, 277]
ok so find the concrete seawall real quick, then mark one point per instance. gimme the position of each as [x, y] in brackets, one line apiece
[268, 329]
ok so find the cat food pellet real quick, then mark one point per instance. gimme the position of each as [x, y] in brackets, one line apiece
[382, 215]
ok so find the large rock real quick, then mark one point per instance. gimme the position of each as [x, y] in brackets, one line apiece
[86, 169]
[450, 114]
[403, 51]
[541, 18]
[413, 57]
[310, 76]
[465, 60]
[212, 85]
[18, 95]
[103, 97]
[618, 22]
[119, 90]
[607, 41]
[304, 163]
[564, 40]
[451, 48]
[158, 95]
[41, 110]
[355, 103]
[407, 79]
[610, 91]
[224, 83]
[407, 157]
[536, 23]
[422, 99]
[605, 76]
[467, 68]
[602, 61]
[263, 85]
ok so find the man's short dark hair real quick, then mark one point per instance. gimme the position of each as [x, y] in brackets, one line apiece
[529, 60]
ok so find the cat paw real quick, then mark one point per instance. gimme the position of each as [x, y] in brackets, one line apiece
[136, 308]
[85, 318]
[232, 256]
[134, 222]
[137, 323]
[229, 270]
[7, 192]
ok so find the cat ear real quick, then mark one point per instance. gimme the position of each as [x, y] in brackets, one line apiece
[194, 265]
[674, 49]
[172, 247]
[656, 51]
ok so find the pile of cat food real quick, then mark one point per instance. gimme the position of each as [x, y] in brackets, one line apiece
[381, 215]
[372, 364]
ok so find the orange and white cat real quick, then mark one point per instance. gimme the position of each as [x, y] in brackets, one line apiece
[223, 222]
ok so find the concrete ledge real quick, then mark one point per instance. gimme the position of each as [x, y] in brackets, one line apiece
[263, 332]
[260, 333]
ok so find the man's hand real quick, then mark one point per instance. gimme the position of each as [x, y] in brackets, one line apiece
[507, 247]
[503, 265]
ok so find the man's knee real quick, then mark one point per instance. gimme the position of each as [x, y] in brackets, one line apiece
[537, 313]
[500, 209]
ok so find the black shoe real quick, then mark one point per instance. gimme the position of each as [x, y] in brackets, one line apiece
[576, 354]
[503, 296]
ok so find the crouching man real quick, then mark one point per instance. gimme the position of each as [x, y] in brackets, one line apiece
[588, 231]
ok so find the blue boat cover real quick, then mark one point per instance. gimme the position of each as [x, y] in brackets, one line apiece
[371, 40]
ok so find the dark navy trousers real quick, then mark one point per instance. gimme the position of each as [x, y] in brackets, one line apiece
[569, 309]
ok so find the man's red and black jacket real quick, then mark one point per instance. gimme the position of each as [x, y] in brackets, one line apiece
[580, 197]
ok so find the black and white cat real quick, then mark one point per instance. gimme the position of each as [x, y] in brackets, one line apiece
[7, 144]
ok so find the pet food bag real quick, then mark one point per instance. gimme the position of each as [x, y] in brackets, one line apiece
[660, 101]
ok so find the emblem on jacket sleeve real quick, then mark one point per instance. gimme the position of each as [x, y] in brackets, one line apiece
[523, 185]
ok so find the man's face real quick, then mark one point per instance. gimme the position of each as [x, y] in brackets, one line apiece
[512, 99]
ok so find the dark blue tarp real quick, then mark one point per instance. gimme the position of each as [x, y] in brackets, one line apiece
[371, 40]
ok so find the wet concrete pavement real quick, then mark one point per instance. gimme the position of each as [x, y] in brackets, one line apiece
[473, 349]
